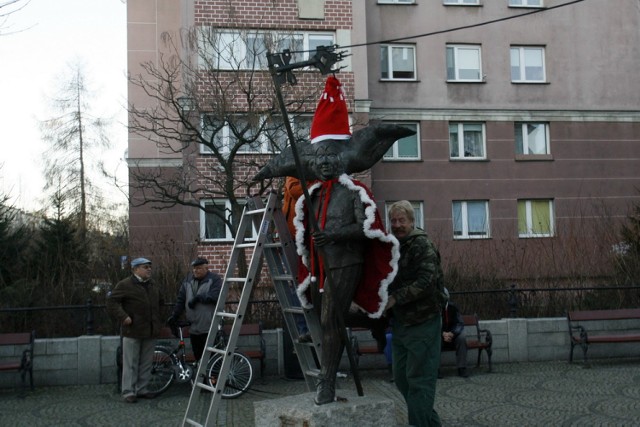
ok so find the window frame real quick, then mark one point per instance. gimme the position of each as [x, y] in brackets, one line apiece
[396, 1]
[524, 138]
[265, 146]
[456, 48]
[460, 126]
[525, 4]
[394, 149]
[528, 211]
[227, 208]
[390, 69]
[418, 208]
[522, 66]
[461, 2]
[236, 44]
[464, 217]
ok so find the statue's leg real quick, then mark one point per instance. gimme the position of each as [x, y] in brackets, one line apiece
[337, 297]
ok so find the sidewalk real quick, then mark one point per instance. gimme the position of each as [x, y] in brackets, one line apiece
[528, 394]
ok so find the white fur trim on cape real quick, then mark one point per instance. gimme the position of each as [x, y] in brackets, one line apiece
[370, 210]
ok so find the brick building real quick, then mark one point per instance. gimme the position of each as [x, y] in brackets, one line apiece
[528, 128]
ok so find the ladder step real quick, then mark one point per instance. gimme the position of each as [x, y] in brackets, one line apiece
[255, 211]
[246, 245]
[205, 387]
[315, 373]
[220, 351]
[192, 422]
[272, 245]
[236, 279]
[227, 315]
[294, 310]
[286, 277]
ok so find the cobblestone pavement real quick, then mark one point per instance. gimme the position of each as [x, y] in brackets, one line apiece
[527, 394]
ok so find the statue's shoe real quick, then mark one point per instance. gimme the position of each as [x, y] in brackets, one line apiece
[325, 392]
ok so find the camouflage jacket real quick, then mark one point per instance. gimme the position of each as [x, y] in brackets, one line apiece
[418, 286]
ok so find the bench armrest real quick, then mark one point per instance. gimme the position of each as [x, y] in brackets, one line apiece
[584, 336]
[485, 336]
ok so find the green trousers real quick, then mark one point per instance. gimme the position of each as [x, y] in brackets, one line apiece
[416, 358]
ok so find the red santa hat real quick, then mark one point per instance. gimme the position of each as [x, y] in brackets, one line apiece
[331, 120]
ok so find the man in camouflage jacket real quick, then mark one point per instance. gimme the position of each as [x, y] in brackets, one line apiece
[415, 301]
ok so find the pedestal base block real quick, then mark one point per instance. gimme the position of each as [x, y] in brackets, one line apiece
[300, 411]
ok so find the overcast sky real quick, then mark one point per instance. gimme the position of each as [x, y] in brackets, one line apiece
[36, 45]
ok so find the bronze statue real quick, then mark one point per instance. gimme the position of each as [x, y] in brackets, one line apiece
[346, 227]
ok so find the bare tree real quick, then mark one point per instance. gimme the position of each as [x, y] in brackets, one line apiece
[76, 139]
[8, 8]
[213, 106]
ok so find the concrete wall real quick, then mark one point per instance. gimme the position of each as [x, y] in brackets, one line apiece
[92, 359]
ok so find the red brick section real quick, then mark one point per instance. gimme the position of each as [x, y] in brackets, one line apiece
[269, 15]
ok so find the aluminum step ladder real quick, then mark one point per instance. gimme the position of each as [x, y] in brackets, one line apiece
[282, 261]
[275, 241]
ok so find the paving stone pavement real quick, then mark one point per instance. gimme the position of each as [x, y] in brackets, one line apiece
[527, 394]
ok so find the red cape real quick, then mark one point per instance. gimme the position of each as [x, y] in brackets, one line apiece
[381, 253]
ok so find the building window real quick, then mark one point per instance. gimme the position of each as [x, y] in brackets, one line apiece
[407, 148]
[466, 141]
[527, 64]
[266, 135]
[535, 218]
[461, 2]
[246, 50]
[532, 138]
[418, 209]
[525, 3]
[398, 62]
[464, 63]
[470, 219]
[212, 225]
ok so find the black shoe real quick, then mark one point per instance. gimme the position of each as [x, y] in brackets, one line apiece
[325, 392]
[462, 372]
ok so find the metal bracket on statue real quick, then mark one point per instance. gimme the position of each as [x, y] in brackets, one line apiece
[324, 59]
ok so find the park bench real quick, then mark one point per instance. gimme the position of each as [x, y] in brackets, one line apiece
[21, 357]
[477, 339]
[578, 334]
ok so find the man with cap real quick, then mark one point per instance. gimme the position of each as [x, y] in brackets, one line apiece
[453, 335]
[135, 303]
[198, 296]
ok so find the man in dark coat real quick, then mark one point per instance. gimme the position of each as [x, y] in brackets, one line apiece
[453, 336]
[198, 296]
[135, 303]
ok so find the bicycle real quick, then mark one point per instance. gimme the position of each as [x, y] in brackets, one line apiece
[170, 365]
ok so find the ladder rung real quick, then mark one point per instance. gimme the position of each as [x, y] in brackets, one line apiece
[220, 351]
[255, 211]
[286, 277]
[205, 386]
[236, 279]
[294, 310]
[313, 373]
[273, 245]
[192, 422]
[227, 315]
[246, 245]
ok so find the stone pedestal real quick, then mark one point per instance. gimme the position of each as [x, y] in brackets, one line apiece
[300, 411]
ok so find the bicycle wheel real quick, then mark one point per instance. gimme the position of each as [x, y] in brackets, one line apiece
[162, 372]
[239, 377]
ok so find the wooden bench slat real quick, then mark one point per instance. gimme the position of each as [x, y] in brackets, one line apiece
[579, 335]
[23, 363]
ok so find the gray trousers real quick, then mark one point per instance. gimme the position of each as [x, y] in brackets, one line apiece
[137, 358]
[460, 345]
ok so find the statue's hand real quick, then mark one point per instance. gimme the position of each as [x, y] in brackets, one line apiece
[322, 238]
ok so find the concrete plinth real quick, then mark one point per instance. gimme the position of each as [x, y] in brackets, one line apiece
[300, 411]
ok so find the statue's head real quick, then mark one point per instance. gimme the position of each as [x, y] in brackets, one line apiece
[327, 161]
